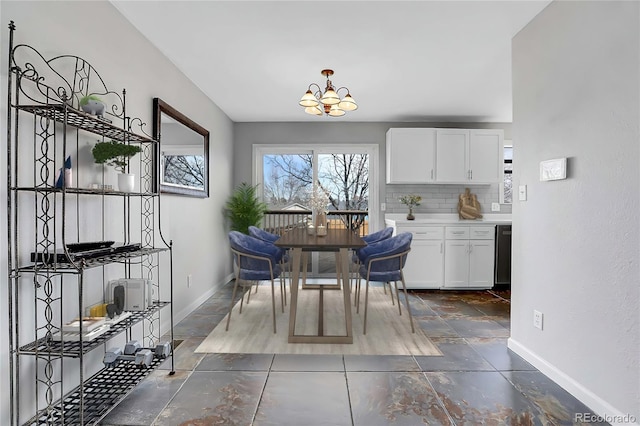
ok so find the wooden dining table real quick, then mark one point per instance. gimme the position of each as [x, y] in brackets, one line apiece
[340, 241]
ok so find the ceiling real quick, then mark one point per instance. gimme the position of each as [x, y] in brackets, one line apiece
[403, 61]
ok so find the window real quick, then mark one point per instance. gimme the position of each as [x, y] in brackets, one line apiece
[508, 170]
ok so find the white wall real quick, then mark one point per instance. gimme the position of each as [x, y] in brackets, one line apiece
[576, 241]
[97, 32]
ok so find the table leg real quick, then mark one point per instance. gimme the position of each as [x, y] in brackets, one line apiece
[295, 276]
[344, 272]
[321, 312]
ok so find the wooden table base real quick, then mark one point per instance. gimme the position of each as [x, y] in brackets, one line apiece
[342, 264]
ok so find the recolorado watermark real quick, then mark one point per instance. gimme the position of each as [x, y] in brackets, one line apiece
[594, 418]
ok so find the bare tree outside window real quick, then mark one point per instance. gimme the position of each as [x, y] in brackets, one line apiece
[185, 170]
[344, 178]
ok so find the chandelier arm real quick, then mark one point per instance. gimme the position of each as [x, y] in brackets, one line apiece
[343, 87]
[319, 91]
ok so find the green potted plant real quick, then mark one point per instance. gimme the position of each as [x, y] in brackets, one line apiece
[244, 209]
[92, 104]
[411, 201]
[116, 154]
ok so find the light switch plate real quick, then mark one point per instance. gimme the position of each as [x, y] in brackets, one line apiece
[495, 207]
[522, 193]
[383, 207]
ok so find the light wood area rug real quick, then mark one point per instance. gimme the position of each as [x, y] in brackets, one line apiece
[251, 332]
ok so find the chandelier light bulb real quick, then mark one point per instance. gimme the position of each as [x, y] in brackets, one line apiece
[335, 111]
[313, 110]
[330, 97]
[308, 100]
[348, 103]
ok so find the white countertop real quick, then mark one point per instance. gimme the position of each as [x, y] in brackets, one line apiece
[393, 219]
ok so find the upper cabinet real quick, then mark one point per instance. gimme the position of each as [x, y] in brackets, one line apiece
[444, 156]
[411, 155]
[469, 156]
[452, 155]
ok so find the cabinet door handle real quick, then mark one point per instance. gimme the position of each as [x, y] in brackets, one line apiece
[431, 173]
[441, 248]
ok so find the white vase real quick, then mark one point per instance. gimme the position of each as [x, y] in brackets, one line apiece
[126, 182]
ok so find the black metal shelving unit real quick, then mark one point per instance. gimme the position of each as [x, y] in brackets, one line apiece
[45, 125]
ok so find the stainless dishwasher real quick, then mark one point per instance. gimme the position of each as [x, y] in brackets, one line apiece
[502, 276]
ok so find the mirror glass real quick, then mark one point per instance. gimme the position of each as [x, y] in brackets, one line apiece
[183, 153]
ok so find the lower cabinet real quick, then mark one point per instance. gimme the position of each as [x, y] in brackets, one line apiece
[449, 257]
[469, 256]
[424, 263]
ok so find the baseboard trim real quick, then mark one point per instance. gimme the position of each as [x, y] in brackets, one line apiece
[594, 402]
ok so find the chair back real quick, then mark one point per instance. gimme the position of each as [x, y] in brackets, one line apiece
[374, 237]
[256, 232]
[387, 255]
[252, 253]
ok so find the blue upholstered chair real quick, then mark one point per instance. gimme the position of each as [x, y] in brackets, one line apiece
[383, 261]
[285, 263]
[255, 260]
[372, 238]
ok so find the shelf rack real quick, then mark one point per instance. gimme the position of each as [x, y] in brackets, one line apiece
[42, 218]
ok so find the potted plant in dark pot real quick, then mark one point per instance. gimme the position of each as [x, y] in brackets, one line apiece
[117, 154]
[244, 209]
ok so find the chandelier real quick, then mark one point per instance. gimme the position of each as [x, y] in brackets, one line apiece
[329, 102]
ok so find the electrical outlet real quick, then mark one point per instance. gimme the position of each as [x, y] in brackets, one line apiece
[383, 207]
[537, 319]
[495, 207]
[189, 281]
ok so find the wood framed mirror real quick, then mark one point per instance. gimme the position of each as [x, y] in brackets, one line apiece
[183, 156]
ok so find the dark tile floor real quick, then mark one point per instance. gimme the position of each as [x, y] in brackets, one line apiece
[476, 381]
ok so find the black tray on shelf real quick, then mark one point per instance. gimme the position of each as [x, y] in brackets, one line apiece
[89, 251]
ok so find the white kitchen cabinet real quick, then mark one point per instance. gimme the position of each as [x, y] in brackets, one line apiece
[469, 256]
[424, 263]
[481, 257]
[452, 152]
[469, 156]
[411, 155]
[486, 154]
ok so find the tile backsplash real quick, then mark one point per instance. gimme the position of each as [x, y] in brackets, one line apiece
[442, 198]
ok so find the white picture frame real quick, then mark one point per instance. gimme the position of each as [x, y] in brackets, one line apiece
[555, 169]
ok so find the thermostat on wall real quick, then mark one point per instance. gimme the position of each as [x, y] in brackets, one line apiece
[555, 169]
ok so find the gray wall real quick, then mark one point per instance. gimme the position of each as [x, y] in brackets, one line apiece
[97, 32]
[437, 198]
[576, 241]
